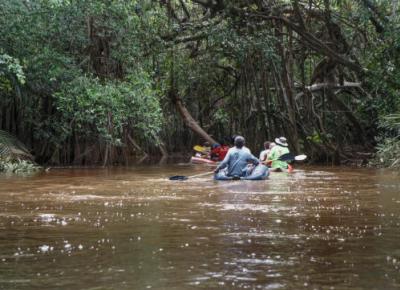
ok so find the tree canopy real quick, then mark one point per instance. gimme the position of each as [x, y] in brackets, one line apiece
[96, 81]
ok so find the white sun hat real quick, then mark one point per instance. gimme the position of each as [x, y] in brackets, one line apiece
[281, 141]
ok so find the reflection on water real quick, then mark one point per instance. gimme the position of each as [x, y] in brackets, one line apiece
[317, 228]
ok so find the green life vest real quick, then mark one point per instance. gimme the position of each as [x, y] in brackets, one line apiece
[276, 152]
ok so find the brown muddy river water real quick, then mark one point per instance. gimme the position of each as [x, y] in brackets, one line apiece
[132, 228]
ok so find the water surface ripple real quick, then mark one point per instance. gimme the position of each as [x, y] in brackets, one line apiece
[132, 228]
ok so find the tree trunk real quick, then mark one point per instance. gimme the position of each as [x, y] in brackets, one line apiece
[189, 120]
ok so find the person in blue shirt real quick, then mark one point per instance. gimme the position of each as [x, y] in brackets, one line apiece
[237, 159]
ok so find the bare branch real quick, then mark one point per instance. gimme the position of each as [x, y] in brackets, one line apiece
[323, 86]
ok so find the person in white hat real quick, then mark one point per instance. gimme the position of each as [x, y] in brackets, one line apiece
[277, 151]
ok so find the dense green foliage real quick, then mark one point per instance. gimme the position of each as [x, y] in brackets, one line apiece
[388, 149]
[97, 81]
[17, 166]
[14, 156]
[82, 86]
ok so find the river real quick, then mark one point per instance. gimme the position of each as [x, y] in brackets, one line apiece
[132, 228]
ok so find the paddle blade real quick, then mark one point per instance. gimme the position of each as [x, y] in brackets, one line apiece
[287, 157]
[178, 177]
[200, 149]
[300, 157]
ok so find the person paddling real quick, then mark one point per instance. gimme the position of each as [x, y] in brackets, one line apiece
[219, 151]
[244, 147]
[277, 151]
[237, 159]
[267, 149]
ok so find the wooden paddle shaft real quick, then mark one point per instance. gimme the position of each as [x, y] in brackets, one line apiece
[202, 174]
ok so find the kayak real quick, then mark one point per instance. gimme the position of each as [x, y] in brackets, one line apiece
[201, 160]
[260, 172]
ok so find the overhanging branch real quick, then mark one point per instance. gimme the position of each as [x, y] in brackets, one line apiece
[323, 86]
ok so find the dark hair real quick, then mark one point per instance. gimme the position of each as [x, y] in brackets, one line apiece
[233, 139]
[266, 144]
[239, 141]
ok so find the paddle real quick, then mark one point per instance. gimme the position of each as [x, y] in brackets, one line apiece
[288, 157]
[182, 177]
[300, 157]
[200, 149]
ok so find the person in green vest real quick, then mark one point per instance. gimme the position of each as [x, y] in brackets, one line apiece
[276, 152]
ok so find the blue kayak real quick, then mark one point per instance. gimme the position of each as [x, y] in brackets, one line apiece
[260, 172]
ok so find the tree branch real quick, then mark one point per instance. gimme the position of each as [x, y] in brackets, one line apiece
[323, 86]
